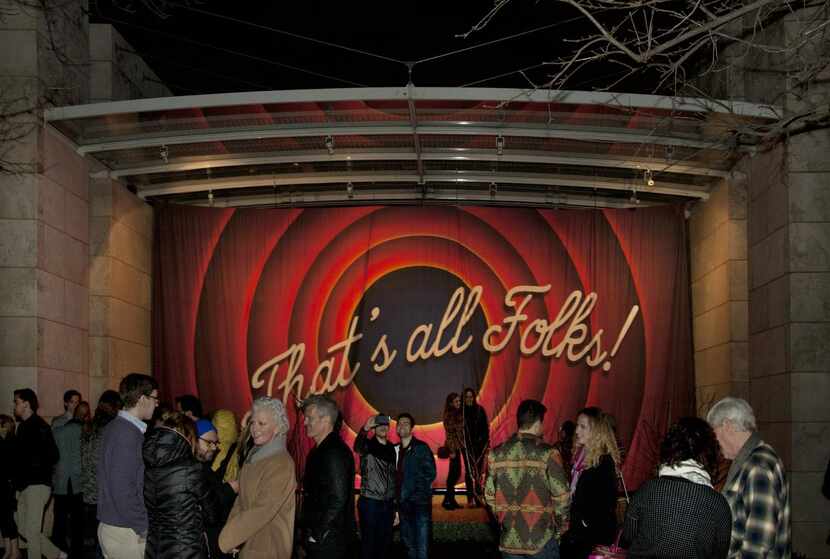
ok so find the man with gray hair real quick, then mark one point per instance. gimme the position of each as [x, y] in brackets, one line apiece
[755, 487]
[328, 484]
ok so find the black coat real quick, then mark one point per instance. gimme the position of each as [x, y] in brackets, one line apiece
[35, 453]
[476, 430]
[218, 505]
[328, 488]
[676, 518]
[593, 510]
[175, 495]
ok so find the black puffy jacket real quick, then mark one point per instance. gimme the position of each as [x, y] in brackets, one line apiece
[175, 496]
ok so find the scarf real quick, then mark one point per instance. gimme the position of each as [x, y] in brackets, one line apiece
[267, 450]
[690, 470]
[577, 468]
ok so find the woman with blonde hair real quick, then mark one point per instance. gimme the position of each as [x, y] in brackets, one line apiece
[593, 485]
[262, 519]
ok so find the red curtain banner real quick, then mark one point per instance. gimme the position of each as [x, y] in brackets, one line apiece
[591, 308]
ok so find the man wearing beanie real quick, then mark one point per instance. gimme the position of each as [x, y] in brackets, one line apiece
[221, 495]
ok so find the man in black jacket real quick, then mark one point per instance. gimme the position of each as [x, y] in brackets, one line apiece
[221, 494]
[35, 455]
[328, 485]
[376, 505]
[414, 476]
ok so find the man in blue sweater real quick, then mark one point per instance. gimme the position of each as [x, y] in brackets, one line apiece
[122, 530]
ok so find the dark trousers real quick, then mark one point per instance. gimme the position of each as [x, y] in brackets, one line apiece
[376, 519]
[69, 514]
[453, 476]
[473, 469]
[91, 529]
[8, 504]
[416, 523]
[334, 549]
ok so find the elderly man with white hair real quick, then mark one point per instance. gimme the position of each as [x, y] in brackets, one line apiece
[262, 517]
[756, 486]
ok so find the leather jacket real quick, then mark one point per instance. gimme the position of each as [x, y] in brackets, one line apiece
[377, 467]
[328, 489]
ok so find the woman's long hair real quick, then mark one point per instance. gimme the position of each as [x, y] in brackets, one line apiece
[449, 409]
[602, 441]
[183, 425]
[108, 405]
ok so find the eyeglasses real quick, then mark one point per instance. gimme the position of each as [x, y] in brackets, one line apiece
[214, 444]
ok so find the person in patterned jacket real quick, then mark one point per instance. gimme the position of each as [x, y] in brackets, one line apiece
[755, 487]
[527, 489]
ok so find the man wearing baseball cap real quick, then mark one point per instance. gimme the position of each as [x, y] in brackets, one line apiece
[376, 506]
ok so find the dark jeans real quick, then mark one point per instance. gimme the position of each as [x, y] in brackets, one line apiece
[69, 514]
[550, 551]
[376, 519]
[416, 524]
[453, 475]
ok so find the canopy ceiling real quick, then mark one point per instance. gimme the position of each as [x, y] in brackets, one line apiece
[387, 145]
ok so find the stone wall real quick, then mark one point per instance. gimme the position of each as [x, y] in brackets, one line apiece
[121, 229]
[44, 257]
[717, 232]
[789, 240]
[116, 71]
[59, 234]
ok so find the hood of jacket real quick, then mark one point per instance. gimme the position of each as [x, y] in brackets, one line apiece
[163, 446]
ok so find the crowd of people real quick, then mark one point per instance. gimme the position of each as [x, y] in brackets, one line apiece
[138, 479]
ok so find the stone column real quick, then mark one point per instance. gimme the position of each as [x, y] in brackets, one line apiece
[44, 239]
[717, 232]
[790, 321]
[121, 229]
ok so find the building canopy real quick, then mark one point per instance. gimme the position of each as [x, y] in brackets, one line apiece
[399, 145]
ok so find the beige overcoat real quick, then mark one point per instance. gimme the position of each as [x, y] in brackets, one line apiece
[262, 518]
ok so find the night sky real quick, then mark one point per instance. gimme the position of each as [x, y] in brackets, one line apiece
[211, 47]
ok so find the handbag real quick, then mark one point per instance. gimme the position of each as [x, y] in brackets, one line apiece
[613, 551]
[622, 500]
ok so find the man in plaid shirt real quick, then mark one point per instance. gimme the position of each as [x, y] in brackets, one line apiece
[756, 487]
[527, 489]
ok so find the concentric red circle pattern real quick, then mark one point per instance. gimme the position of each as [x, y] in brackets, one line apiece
[267, 279]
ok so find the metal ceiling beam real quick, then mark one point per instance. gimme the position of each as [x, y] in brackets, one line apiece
[537, 179]
[509, 156]
[416, 140]
[619, 100]
[404, 195]
[581, 133]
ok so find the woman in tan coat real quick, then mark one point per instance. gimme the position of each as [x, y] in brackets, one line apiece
[261, 523]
